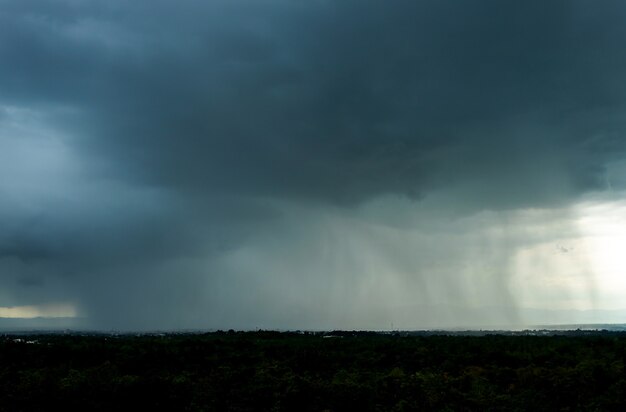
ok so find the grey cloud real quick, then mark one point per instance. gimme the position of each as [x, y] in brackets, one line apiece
[332, 102]
[193, 129]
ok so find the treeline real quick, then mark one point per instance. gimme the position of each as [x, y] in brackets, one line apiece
[271, 371]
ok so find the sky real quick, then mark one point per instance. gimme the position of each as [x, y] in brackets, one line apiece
[318, 164]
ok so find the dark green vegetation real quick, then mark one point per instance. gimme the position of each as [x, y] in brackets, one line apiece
[270, 371]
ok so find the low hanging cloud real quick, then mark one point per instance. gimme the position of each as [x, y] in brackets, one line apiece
[284, 164]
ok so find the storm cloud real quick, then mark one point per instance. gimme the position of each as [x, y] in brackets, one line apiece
[301, 164]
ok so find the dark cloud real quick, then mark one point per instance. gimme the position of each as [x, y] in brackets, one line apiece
[185, 124]
[336, 102]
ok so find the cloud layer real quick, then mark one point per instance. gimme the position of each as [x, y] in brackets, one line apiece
[202, 164]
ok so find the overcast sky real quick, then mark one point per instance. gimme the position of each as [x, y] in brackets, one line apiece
[312, 164]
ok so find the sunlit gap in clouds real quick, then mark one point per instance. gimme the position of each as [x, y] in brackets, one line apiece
[552, 269]
[603, 227]
[576, 274]
[55, 310]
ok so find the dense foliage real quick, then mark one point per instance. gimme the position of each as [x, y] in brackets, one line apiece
[271, 371]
